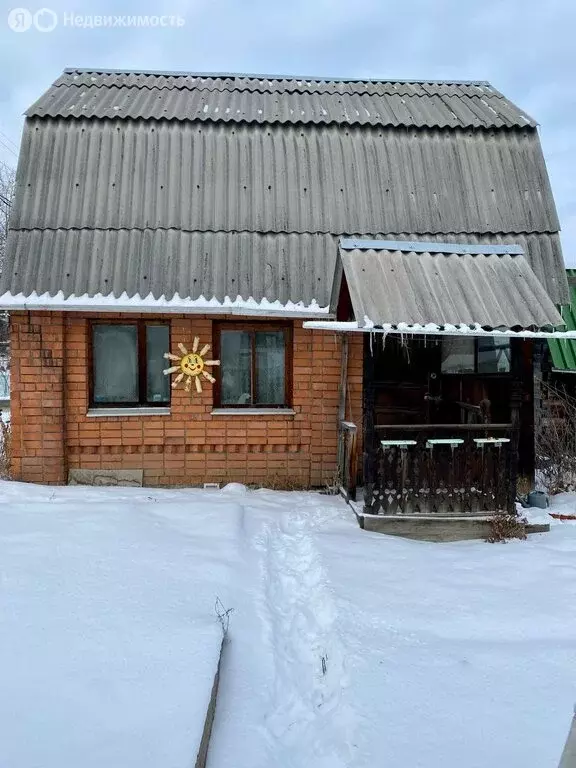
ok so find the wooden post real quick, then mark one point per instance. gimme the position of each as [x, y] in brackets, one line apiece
[537, 361]
[515, 406]
[353, 466]
[369, 455]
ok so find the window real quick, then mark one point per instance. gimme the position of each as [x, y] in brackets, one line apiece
[254, 366]
[489, 354]
[493, 355]
[127, 364]
[458, 355]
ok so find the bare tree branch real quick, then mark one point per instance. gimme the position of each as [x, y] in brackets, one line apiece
[7, 186]
[556, 441]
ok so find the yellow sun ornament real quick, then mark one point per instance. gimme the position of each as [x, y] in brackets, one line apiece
[190, 366]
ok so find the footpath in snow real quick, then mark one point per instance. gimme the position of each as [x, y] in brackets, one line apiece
[346, 648]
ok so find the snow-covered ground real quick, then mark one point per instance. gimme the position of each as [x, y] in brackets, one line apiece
[346, 648]
[108, 638]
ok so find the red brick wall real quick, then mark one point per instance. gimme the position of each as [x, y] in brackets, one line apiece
[37, 397]
[52, 433]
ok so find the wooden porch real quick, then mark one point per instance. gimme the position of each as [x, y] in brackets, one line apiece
[447, 469]
[440, 442]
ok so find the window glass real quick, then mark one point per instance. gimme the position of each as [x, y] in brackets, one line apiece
[270, 373]
[115, 350]
[236, 367]
[457, 354]
[157, 343]
[493, 355]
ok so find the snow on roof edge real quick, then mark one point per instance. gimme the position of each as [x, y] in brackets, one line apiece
[431, 329]
[424, 246]
[136, 303]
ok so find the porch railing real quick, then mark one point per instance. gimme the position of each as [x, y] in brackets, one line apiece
[449, 469]
[348, 459]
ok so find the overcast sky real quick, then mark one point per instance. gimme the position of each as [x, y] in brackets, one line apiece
[525, 48]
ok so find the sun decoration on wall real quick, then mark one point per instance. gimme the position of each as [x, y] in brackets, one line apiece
[190, 365]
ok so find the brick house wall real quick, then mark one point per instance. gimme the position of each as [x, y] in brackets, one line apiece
[51, 432]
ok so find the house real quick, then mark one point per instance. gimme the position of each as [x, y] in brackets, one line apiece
[371, 262]
[560, 358]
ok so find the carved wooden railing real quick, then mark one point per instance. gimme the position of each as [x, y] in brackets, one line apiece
[348, 458]
[450, 469]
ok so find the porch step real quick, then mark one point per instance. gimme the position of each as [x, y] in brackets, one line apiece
[435, 527]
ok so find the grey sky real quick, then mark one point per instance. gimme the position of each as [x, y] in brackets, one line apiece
[524, 47]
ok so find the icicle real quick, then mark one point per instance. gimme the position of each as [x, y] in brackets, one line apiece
[371, 339]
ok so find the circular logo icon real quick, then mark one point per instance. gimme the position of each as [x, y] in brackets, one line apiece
[19, 19]
[45, 20]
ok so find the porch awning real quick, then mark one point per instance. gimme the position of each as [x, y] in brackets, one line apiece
[442, 286]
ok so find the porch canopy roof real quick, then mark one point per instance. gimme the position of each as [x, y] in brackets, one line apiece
[443, 287]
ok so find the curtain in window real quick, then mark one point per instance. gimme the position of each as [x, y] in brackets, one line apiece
[270, 374]
[493, 355]
[115, 363]
[157, 343]
[236, 367]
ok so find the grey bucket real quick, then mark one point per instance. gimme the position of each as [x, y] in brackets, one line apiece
[538, 499]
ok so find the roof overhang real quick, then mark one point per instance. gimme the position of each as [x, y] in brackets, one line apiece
[149, 304]
[433, 330]
[169, 270]
[453, 288]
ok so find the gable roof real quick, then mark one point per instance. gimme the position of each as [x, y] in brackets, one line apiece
[191, 188]
[394, 283]
[277, 99]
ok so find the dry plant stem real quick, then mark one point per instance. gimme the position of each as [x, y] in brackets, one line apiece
[556, 441]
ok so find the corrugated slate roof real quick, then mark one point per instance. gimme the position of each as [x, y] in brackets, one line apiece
[444, 287]
[192, 176]
[563, 352]
[249, 184]
[295, 267]
[542, 251]
[277, 99]
[286, 268]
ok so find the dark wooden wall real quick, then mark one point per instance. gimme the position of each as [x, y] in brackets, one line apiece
[411, 389]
